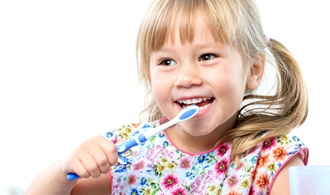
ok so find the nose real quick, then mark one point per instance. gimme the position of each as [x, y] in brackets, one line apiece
[188, 75]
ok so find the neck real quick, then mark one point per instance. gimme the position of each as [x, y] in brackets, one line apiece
[193, 144]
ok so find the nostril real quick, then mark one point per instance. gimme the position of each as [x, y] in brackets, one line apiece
[188, 79]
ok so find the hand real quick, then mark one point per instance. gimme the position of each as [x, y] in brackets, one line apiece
[92, 158]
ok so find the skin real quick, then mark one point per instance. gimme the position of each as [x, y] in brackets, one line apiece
[206, 69]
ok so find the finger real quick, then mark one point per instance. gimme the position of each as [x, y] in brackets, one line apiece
[101, 159]
[109, 148]
[91, 167]
[75, 166]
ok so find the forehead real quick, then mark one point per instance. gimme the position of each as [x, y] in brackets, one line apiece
[183, 29]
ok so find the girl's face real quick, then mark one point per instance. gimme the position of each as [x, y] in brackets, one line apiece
[204, 72]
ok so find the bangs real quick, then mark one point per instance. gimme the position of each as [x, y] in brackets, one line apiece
[173, 16]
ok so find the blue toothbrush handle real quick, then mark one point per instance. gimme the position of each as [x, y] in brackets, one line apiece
[126, 145]
[72, 176]
[122, 147]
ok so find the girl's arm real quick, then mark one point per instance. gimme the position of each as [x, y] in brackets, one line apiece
[281, 184]
[50, 181]
[92, 161]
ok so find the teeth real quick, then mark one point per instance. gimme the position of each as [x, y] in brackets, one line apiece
[200, 107]
[185, 103]
[192, 101]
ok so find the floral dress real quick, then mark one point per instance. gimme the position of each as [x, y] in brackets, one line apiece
[157, 167]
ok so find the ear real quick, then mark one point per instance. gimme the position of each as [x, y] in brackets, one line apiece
[256, 73]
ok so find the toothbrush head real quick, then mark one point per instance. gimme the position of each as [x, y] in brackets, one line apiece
[188, 112]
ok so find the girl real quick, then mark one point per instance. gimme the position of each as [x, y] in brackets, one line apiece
[211, 53]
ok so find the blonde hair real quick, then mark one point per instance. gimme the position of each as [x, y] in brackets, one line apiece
[236, 23]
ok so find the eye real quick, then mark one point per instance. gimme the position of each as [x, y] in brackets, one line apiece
[206, 57]
[167, 62]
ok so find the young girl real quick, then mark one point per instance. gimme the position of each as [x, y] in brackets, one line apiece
[211, 53]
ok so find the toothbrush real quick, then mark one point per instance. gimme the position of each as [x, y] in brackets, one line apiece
[183, 115]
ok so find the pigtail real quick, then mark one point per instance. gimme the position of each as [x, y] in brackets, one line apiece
[292, 94]
[266, 116]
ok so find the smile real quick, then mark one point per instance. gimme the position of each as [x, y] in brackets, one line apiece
[202, 103]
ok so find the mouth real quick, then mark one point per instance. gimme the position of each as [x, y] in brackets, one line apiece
[202, 103]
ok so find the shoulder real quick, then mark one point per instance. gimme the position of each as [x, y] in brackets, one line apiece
[281, 182]
[282, 148]
[274, 154]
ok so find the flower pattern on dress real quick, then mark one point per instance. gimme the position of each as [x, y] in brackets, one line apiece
[157, 167]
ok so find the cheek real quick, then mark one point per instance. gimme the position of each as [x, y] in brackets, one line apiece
[159, 87]
[230, 88]
[156, 92]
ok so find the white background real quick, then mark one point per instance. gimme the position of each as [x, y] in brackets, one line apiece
[68, 72]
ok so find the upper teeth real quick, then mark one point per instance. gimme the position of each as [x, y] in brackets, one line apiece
[192, 101]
